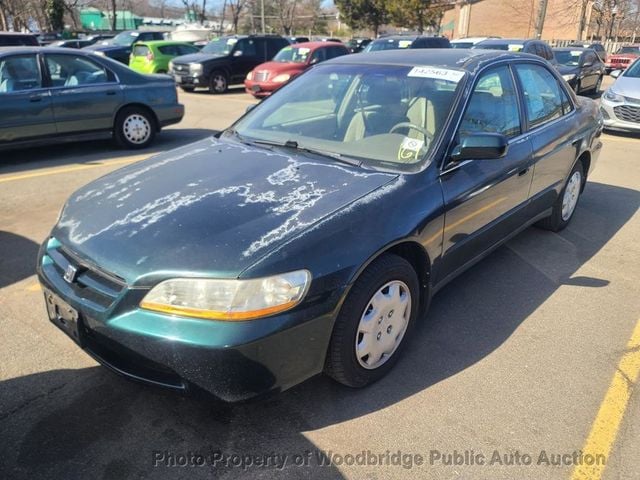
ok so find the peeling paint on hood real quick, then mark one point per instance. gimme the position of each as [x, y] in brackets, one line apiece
[213, 207]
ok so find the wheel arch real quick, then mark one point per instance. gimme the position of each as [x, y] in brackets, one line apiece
[585, 159]
[414, 253]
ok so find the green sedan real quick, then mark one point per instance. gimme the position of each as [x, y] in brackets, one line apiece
[154, 57]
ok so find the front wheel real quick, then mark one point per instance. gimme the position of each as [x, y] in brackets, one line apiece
[565, 205]
[372, 326]
[134, 128]
[218, 82]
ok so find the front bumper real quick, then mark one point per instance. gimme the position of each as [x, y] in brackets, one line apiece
[621, 116]
[191, 80]
[261, 89]
[232, 360]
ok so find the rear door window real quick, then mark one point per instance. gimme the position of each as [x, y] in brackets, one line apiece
[19, 73]
[75, 70]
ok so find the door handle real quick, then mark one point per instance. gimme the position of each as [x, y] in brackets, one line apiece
[111, 92]
[35, 98]
[523, 172]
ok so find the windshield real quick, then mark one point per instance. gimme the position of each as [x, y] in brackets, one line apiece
[220, 46]
[388, 116]
[292, 54]
[568, 58]
[388, 44]
[634, 70]
[125, 39]
[633, 50]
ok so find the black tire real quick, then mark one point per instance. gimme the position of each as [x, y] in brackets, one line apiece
[555, 222]
[341, 362]
[188, 89]
[134, 128]
[218, 82]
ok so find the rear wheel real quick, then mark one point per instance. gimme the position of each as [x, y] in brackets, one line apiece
[134, 128]
[218, 82]
[565, 205]
[372, 326]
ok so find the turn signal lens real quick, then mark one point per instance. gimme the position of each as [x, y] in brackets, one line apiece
[218, 299]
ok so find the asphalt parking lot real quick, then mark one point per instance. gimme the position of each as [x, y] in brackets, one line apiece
[530, 355]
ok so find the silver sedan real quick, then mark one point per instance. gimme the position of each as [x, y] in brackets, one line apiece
[620, 104]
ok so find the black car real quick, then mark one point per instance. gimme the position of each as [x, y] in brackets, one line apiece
[396, 42]
[596, 47]
[119, 47]
[294, 40]
[75, 43]
[311, 235]
[534, 47]
[224, 61]
[11, 39]
[581, 68]
[357, 44]
[53, 95]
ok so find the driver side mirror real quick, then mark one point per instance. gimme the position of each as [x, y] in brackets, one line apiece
[616, 73]
[237, 53]
[313, 61]
[587, 64]
[480, 146]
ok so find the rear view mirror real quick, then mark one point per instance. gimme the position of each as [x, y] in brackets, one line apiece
[480, 146]
[616, 73]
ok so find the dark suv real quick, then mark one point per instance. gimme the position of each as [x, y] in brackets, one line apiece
[535, 47]
[395, 42]
[224, 61]
[119, 47]
[10, 39]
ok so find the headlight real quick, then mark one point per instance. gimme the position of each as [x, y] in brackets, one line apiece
[569, 77]
[282, 78]
[612, 96]
[250, 75]
[195, 67]
[218, 299]
[99, 52]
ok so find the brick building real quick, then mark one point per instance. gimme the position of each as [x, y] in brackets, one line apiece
[515, 18]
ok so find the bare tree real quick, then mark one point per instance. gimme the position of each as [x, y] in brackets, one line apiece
[236, 7]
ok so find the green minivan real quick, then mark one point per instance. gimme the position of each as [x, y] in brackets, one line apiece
[154, 56]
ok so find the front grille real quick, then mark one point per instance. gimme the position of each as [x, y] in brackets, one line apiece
[627, 113]
[88, 283]
[260, 76]
[621, 61]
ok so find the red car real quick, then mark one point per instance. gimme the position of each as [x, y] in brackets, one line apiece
[288, 63]
[622, 58]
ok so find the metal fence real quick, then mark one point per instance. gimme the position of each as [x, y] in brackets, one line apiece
[609, 45]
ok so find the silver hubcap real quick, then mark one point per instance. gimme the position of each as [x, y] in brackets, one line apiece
[136, 128]
[571, 193]
[383, 324]
[219, 83]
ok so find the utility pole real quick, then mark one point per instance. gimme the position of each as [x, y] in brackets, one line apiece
[542, 15]
[582, 21]
[262, 15]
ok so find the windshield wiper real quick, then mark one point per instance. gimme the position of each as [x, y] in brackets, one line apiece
[323, 153]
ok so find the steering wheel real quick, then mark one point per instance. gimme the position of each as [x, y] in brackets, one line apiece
[428, 137]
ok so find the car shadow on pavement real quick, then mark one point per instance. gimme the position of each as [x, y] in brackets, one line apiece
[18, 258]
[19, 160]
[91, 423]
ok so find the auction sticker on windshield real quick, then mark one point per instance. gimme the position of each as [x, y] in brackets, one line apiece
[438, 73]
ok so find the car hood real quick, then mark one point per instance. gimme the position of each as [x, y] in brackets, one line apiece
[106, 48]
[567, 69]
[211, 208]
[197, 58]
[280, 67]
[627, 86]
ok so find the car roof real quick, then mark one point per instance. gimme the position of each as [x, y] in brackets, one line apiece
[459, 58]
[571, 49]
[396, 37]
[502, 41]
[161, 43]
[317, 44]
[34, 49]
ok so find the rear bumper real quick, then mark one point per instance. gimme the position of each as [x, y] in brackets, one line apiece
[234, 361]
[169, 114]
